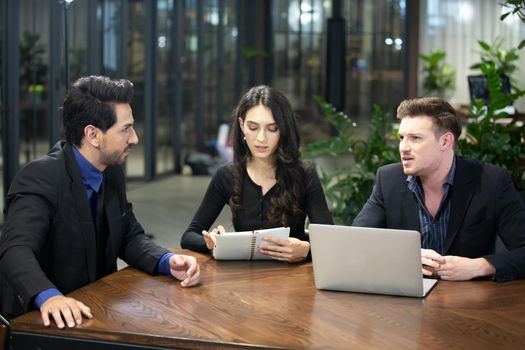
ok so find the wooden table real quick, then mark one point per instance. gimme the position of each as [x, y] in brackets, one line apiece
[248, 305]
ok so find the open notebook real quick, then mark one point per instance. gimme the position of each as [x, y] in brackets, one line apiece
[368, 260]
[245, 245]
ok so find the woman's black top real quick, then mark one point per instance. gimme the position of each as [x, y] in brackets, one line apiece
[255, 207]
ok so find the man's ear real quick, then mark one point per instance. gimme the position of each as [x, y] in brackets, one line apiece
[92, 135]
[447, 140]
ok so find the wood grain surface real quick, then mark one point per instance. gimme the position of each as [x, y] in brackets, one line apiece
[266, 304]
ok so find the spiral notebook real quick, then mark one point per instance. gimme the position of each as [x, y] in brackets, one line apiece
[244, 245]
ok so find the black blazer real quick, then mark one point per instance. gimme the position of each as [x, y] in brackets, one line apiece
[48, 239]
[484, 203]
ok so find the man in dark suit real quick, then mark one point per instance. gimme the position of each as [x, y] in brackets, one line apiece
[67, 218]
[459, 205]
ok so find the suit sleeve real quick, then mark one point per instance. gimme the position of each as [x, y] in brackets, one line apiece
[136, 248]
[216, 196]
[30, 205]
[373, 213]
[511, 228]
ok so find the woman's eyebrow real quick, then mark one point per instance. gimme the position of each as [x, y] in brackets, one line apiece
[255, 123]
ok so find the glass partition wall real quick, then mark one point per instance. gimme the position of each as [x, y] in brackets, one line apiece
[189, 60]
[375, 54]
[34, 63]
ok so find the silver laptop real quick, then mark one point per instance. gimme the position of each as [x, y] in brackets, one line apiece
[368, 260]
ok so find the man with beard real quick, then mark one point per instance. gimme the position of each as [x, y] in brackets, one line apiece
[67, 218]
[459, 205]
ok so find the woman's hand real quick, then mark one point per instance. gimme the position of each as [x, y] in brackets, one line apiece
[211, 237]
[290, 250]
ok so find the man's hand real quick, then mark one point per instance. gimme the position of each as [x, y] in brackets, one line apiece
[64, 309]
[457, 268]
[431, 261]
[291, 249]
[186, 269]
[211, 237]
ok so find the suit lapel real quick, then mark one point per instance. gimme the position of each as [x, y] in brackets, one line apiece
[83, 210]
[410, 210]
[460, 198]
[113, 216]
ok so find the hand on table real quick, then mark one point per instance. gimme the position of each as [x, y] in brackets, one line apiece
[186, 269]
[431, 261]
[457, 268]
[454, 268]
[62, 309]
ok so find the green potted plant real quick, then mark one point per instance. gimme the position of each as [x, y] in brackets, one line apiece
[438, 76]
[504, 60]
[33, 70]
[491, 135]
[347, 187]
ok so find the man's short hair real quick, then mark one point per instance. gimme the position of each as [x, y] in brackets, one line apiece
[442, 113]
[89, 101]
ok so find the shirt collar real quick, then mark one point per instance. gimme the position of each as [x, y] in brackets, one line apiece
[413, 181]
[91, 176]
[450, 177]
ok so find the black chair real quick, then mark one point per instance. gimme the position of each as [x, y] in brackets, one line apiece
[4, 332]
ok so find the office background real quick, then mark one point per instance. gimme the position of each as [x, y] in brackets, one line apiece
[190, 60]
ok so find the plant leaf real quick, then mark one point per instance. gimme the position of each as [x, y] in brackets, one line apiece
[484, 45]
[503, 16]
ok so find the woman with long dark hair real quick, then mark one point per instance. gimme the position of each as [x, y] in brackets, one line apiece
[267, 185]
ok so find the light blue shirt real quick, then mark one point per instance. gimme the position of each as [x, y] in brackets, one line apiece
[433, 229]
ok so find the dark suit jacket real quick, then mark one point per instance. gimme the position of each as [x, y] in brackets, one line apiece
[484, 204]
[48, 239]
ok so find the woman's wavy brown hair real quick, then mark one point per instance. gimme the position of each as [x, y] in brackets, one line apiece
[289, 171]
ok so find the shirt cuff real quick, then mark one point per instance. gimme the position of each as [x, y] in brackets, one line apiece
[43, 296]
[163, 266]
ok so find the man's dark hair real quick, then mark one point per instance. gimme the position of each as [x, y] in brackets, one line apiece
[442, 113]
[89, 101]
